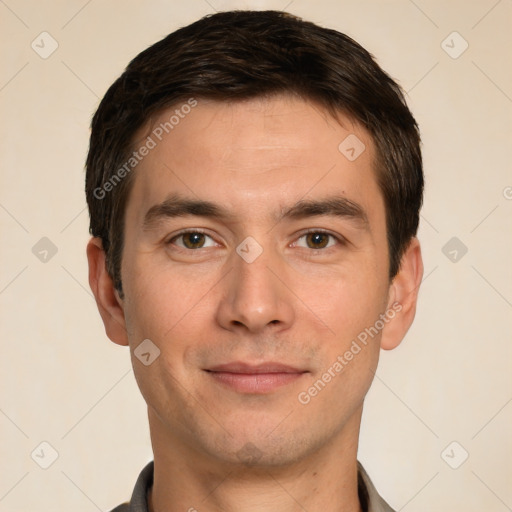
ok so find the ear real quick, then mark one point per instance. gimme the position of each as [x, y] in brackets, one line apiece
[403, 295]
[110, 305]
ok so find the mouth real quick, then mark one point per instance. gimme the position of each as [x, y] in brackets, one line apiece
[255, 379]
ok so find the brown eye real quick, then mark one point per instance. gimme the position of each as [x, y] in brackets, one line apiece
[191, 240]
[317, 240]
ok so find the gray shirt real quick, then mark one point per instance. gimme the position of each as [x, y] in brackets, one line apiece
[368, 495]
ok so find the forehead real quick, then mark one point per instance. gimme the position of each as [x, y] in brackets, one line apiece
[282, 126]
[253, 154]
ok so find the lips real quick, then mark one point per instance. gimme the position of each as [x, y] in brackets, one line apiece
[253, 369]
[254, 379]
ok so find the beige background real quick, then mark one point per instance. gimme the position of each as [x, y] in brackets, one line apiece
[63, 382]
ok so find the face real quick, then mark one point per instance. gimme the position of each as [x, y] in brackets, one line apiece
[255, 259]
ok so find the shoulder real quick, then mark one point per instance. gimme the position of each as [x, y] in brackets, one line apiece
[138, 501]
[370, 499]
[124, 507]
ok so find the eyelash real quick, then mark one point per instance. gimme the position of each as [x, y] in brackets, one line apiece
[339, 239]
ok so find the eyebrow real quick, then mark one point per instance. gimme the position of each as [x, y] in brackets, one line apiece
[177, 205]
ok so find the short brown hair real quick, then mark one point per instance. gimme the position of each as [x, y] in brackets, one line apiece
[238, 55]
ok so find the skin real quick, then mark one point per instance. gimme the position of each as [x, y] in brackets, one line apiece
[301, 302]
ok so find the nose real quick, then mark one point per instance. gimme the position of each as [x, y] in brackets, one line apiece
[256, 296]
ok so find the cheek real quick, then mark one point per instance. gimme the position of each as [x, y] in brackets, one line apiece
[161, 312]
[172, 311]
[347, 299]
[349, 355]
[160, 300]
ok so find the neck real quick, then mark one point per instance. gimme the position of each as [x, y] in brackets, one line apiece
[186, 480]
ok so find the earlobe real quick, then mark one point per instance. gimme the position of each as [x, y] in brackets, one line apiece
[403, 296]
[110, 305]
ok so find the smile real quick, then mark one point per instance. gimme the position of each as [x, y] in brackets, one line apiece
[255, 379]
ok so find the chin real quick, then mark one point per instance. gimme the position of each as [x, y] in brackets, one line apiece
[259, 449]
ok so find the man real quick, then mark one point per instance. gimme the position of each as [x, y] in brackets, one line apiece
[254, 184]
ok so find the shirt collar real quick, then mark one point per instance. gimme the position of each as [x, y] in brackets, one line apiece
[368, 495]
